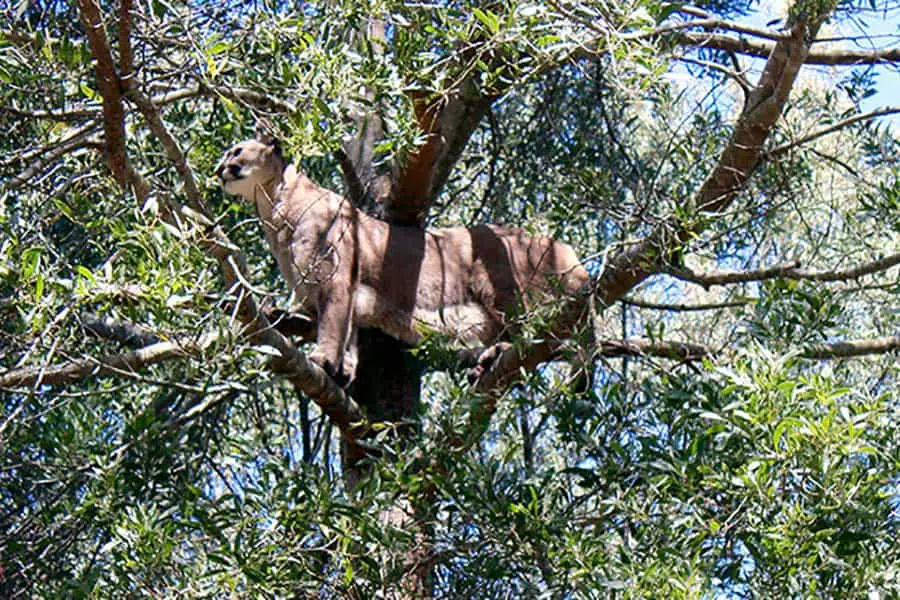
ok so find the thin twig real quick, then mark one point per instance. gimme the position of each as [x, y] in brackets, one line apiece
[684, 307]
[881, 112]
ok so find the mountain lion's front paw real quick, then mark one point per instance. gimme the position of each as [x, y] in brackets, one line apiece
[338, 373]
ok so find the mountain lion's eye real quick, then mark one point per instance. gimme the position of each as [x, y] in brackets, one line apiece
[236, 151]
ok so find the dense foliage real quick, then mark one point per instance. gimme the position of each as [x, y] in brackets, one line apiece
[768, 467]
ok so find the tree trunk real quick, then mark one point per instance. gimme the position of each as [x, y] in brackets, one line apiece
[388, 387]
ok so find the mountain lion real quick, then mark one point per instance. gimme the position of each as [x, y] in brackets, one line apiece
[351, 270]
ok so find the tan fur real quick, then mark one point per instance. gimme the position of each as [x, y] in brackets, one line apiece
[349, 269]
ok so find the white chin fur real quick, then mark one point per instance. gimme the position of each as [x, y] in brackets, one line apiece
[236, 187]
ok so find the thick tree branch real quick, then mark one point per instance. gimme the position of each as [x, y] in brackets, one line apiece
[789, 271]
[355, 188]
[852, 348]
[126, 56]
[108, 83]
[448, 125]
[737, 161]
[640, 347]
[448, 121]
[459, 119]
[358, 159]
[411, 190]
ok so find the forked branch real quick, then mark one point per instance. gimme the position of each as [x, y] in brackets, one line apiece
[649, 256]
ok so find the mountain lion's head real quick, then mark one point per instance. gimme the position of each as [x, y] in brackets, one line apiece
[250, 165]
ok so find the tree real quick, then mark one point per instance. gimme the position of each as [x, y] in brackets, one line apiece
[163, 432]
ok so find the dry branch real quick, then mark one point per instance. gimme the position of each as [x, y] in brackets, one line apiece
[116, 364]
[763, 49]
[685, 351]
[709, 21]
[881, 112]
[789, 271]
[683, 307]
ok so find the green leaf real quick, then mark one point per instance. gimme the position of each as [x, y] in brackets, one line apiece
[218, 48]
[231, 107]
[780, 430]
[666, 9]
[323, 108]
[547, 40]
[711, 416]
[31, 259]
[39, 288]
[88, 92]
[488, 19]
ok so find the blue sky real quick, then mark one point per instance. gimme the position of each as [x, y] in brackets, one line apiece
[888, 83]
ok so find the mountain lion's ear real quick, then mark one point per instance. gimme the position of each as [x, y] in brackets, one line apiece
[276, 147]
[265, 136]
